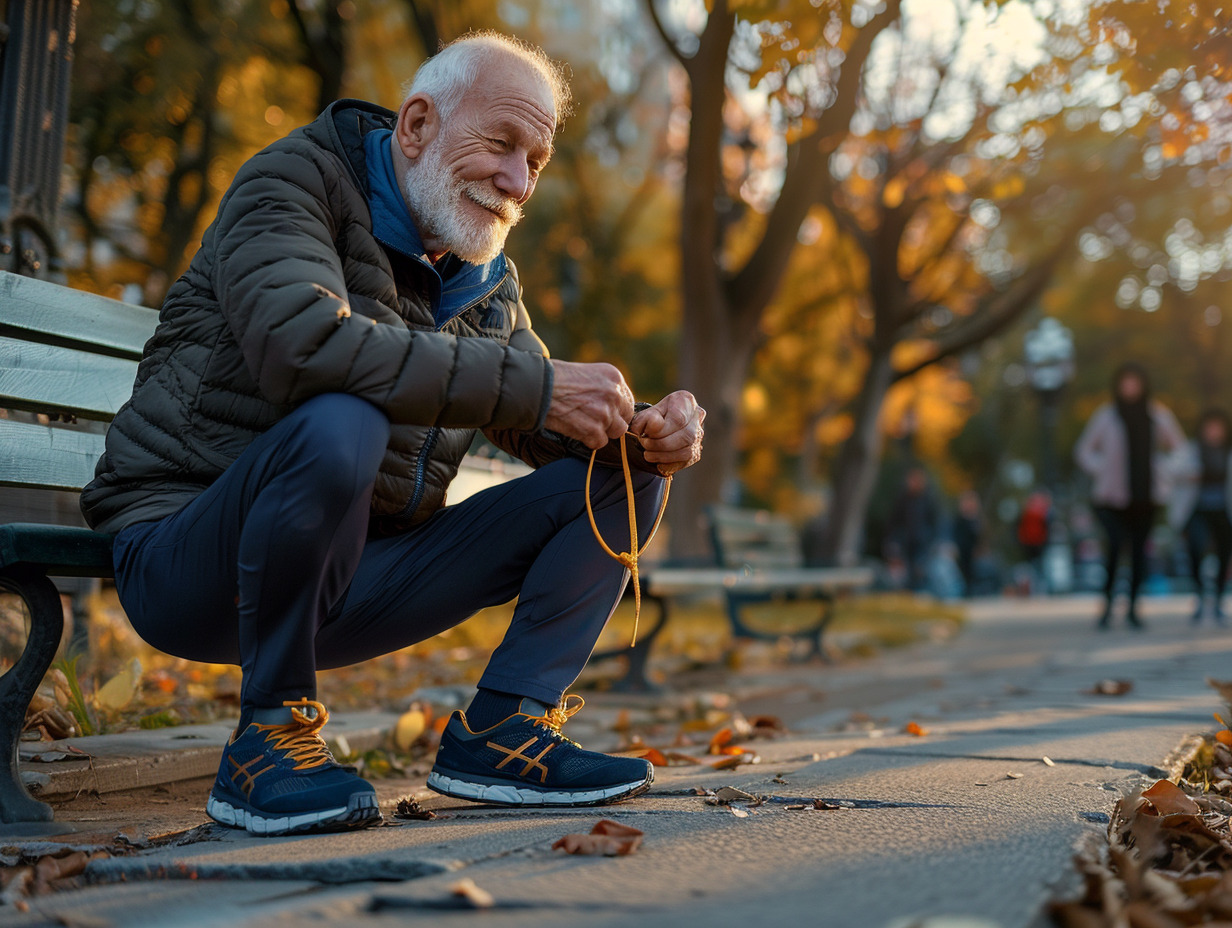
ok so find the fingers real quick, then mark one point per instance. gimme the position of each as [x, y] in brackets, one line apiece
[590, 402]
[671, 430]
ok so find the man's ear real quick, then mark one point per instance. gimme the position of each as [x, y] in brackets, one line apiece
[418, 124]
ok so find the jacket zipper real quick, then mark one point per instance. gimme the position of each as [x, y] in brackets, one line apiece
[421, 468]
[425, 451]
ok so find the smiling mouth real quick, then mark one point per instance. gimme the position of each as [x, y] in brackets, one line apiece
[495, 211]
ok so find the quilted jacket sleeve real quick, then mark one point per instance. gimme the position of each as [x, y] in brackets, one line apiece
[279, 280]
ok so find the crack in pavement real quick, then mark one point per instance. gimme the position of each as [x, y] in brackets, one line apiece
[1149, 770]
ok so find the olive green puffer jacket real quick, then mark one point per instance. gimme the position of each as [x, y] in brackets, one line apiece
[291, 296]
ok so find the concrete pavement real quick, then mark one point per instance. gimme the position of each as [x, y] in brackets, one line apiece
[967, 825]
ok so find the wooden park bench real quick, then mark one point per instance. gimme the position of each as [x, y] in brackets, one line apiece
[68, 358]
[757, 559]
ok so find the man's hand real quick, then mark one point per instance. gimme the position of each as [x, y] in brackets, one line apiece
[671, 431]
[590, 402]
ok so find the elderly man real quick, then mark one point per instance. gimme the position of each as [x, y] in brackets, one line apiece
[277, 481]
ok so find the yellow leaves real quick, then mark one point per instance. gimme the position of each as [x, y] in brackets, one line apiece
[953, 183]
[1008, 188]
[119, 691]
[411, 725]
[892, 194]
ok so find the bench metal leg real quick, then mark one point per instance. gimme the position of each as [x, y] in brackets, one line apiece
[818, 635]
[635, 679]
[18, 685]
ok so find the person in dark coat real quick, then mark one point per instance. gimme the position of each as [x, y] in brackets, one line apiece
[913, 526]
[1128, 448]
[1201, 504]
[277, 482]
[967, 531]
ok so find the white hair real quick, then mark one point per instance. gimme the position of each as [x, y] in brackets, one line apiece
[449, 74]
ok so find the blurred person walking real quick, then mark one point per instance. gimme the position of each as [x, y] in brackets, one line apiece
[1032, 532]
[968, 527]
[913, 526]
[1200, 505]
[1128, 449]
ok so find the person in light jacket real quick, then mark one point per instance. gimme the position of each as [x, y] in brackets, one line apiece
[1200, 504]
[1128, 448]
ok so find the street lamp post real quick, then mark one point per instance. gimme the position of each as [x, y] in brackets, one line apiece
[1049, 354]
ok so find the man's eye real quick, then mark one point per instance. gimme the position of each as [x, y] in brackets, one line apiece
[502, 144]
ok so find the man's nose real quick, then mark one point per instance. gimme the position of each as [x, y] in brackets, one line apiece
[513, 180]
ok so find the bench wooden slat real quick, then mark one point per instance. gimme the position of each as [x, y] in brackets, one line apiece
[675, 580]
[753, 538]
[35, 310]
[44, 456]
[48, 378]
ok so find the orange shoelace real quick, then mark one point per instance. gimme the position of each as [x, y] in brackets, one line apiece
[556, 716]
[627, 558]
[301, 738]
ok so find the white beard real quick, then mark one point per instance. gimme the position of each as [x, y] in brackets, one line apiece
[435, 200]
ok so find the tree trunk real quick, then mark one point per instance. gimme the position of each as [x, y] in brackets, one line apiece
[713, 369]
[855, 471]
[712, 360]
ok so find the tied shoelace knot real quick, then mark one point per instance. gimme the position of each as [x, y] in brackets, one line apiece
[555, 717]
[300, 738]
[627, 558]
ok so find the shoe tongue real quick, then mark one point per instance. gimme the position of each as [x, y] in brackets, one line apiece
[280, 715]
[530, 706]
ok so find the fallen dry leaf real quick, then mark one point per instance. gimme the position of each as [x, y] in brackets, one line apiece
[736, 760]
[1111, 688]
[409, 809]
[915, 728]
[611, 839]
[766, 724]
[1048, 761]
[739, 812]
[721, 739]
[656, 757]
[1166, 798]
[676, 758]
[465, 889]
[727, 794]
[411, 725]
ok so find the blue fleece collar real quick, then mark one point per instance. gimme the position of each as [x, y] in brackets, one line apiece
[454, 285]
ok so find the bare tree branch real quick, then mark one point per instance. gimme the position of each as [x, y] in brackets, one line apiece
[995, 312]
[806, 181]
[667, 38]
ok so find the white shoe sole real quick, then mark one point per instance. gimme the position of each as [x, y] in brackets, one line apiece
[508, 795]
[359, 812]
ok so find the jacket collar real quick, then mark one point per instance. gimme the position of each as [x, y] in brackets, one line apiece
[454, 285]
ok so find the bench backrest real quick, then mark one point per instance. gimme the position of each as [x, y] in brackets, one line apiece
[63, 353]
[753, 538]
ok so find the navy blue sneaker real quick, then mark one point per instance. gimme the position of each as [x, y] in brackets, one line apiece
[282, 779]
[526, 761]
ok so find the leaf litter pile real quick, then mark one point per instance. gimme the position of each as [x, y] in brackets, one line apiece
[1168, 858]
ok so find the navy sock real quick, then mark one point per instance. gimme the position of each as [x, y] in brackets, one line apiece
[489, 707]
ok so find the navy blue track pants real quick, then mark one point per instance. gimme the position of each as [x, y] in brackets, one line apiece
[271, 567]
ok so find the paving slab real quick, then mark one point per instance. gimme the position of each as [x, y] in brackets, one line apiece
[128, 760]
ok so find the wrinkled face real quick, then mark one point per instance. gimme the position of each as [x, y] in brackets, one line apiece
[467, 188]
[1130, 388]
